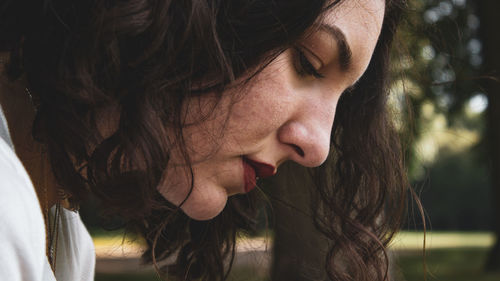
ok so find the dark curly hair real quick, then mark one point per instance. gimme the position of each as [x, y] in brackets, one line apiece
[145, 57]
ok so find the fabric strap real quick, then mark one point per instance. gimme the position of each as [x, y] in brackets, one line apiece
[4, 129]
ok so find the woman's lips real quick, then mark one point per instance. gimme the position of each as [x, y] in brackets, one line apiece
[248, 176]
[253, 169]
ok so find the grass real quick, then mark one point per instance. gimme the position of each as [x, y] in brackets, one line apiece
[126, 277]
[405, 240]
[447, 264]
[408, 240]
[451, 256]
[239, 274]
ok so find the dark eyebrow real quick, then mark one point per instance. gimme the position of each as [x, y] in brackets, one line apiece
[345, 53]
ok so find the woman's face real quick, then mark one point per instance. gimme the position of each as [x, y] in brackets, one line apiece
[285, 113]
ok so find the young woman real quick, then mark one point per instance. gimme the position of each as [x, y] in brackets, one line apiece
[170, 111]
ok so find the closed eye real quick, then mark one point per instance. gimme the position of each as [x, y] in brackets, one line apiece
[303, 66]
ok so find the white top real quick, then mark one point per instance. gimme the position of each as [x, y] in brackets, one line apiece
[22, 229]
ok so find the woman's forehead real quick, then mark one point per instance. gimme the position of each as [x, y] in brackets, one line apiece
[357, 18]
[373, 9]
[360, 23]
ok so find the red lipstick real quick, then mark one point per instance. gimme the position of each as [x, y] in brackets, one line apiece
[253, 169]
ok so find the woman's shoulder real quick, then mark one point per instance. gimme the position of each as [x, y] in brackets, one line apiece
[75, 250]
[15, 184]
[23, 231]
[19, 206]
[20, 212]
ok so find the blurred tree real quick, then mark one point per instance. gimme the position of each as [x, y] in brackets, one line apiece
[457, 184]
[453, 48]
[490, 22]
[436, 62]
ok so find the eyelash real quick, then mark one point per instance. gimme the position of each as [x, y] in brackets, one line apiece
[303, 66]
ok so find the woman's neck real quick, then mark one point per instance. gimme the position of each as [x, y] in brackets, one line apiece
[20, 113]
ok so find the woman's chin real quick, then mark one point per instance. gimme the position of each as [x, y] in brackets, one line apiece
[204, 203]
[204, 210]
[202, 215]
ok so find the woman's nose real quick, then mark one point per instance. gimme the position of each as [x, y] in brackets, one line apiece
[308, 137]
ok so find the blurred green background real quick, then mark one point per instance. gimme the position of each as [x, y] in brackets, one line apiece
[457, 256]
[446, 82]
